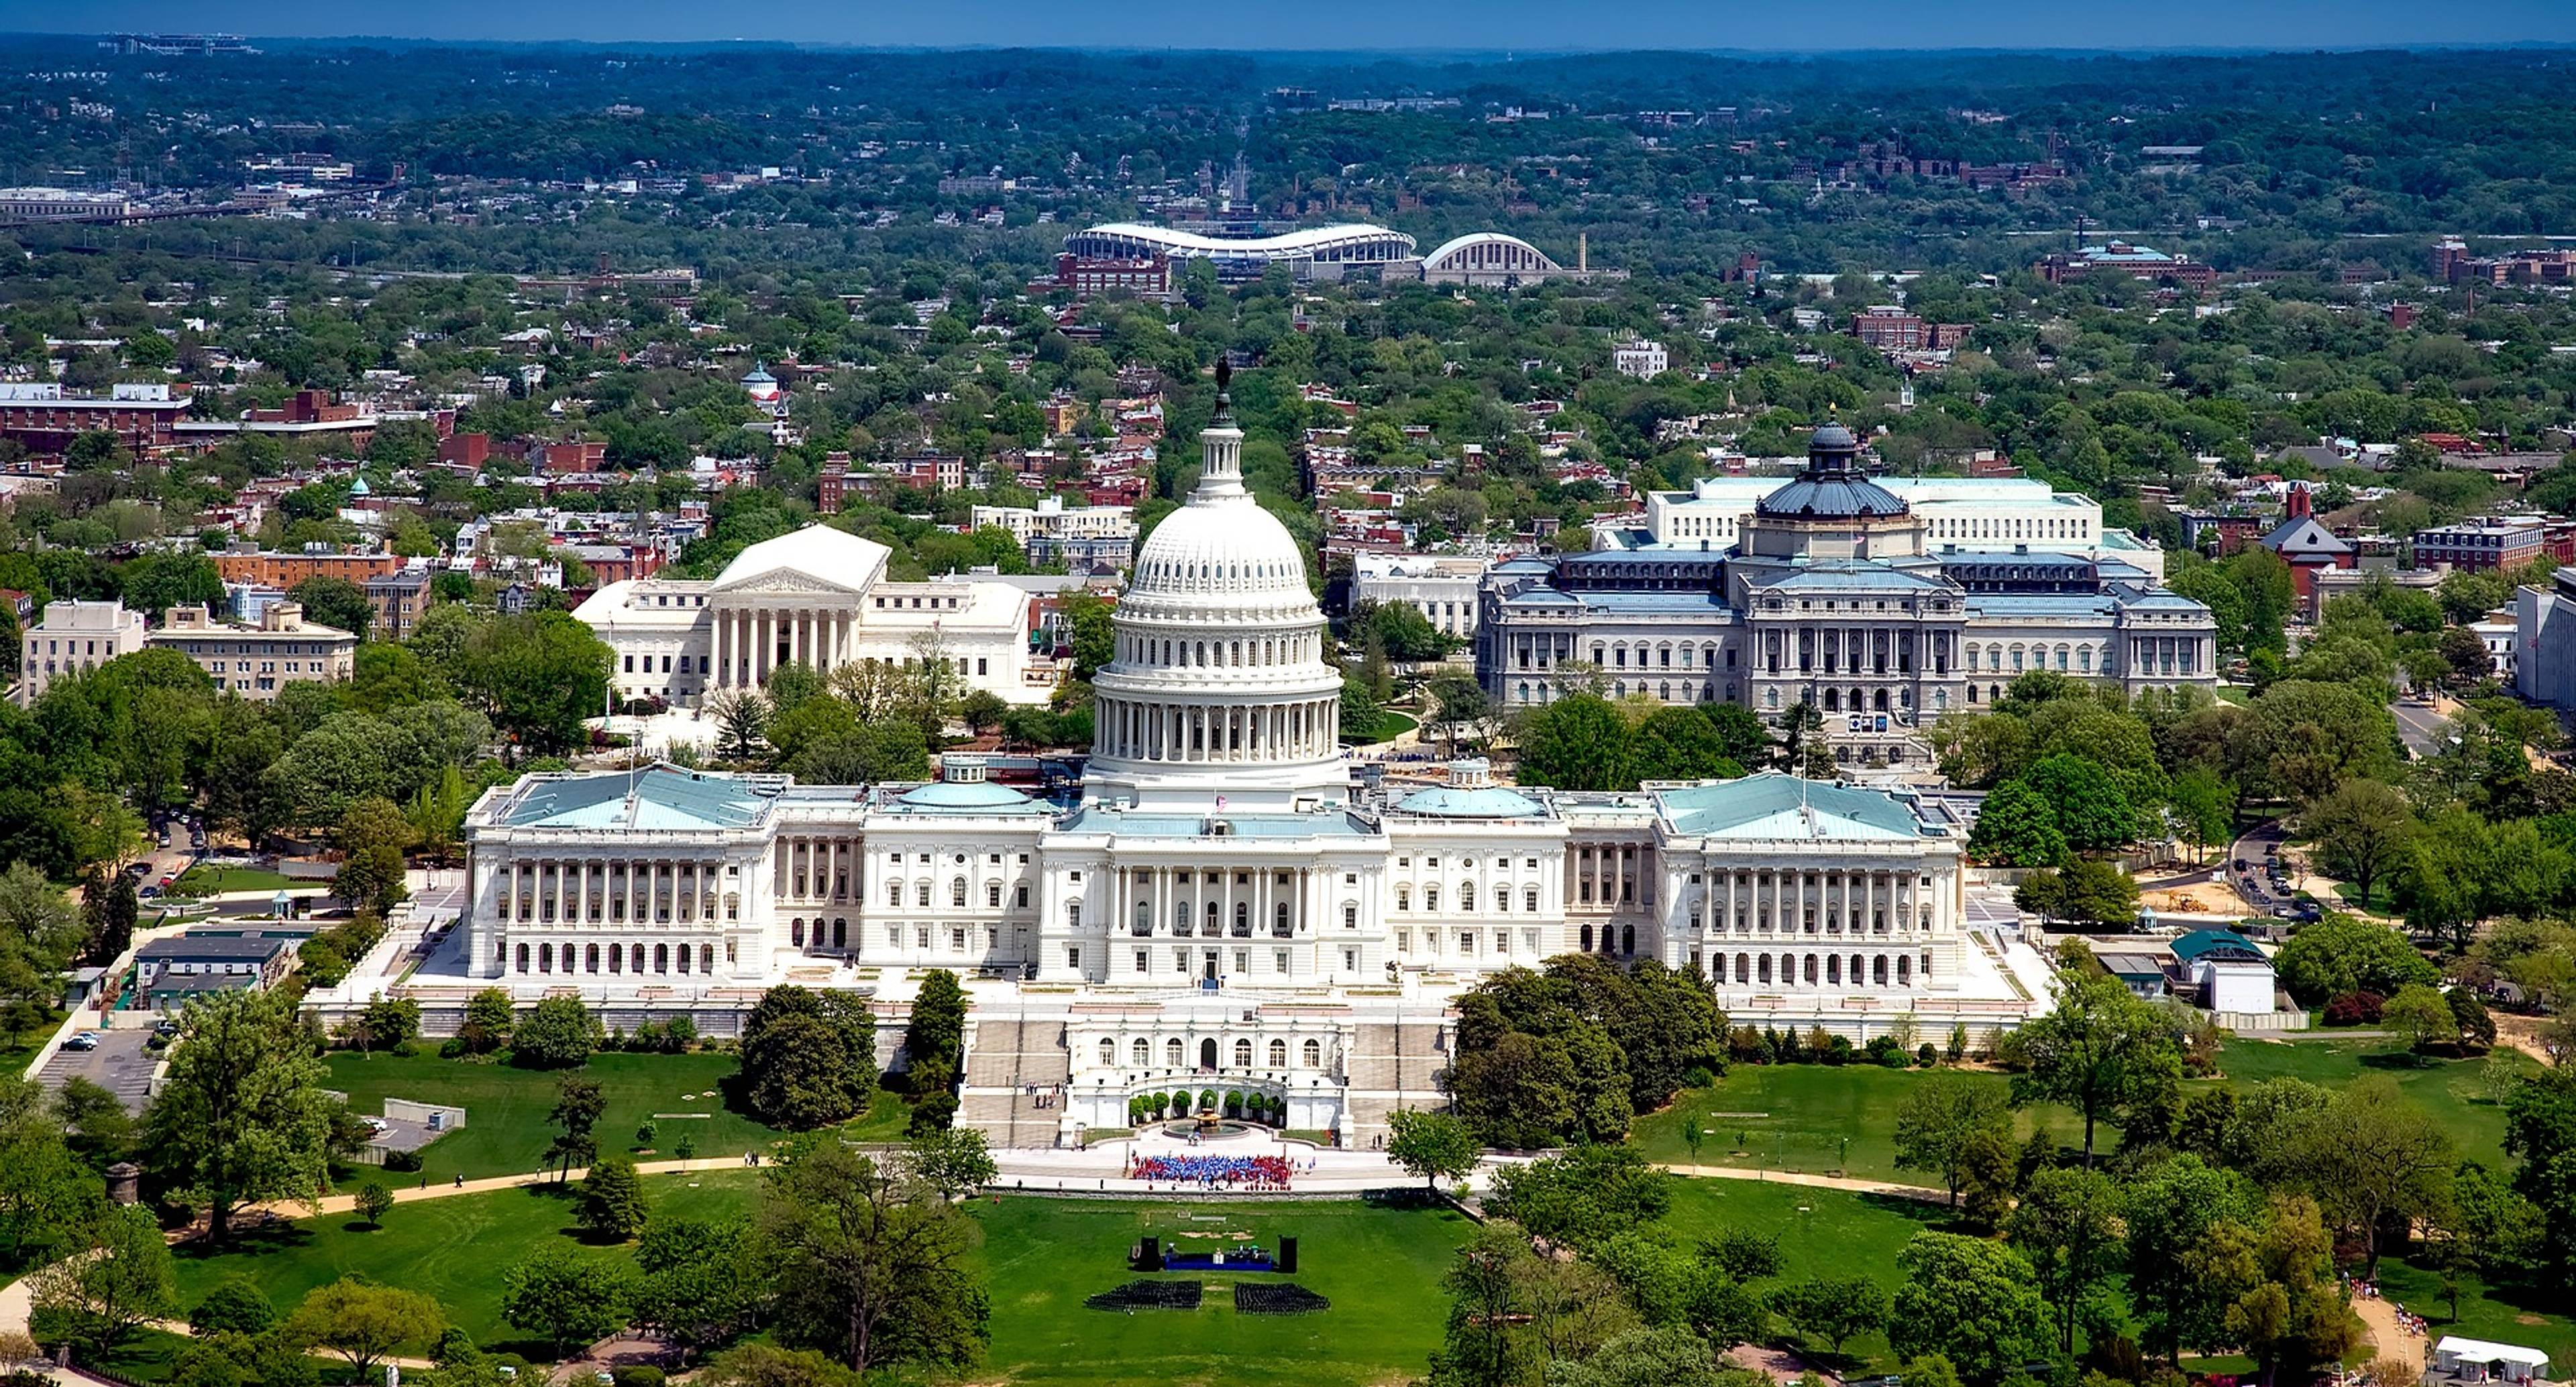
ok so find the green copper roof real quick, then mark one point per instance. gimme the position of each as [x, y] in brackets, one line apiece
[663, 797]
[968, 797]
[1492, 802]
[1773, 806]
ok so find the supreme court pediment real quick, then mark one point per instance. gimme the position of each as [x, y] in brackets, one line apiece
[785, 582]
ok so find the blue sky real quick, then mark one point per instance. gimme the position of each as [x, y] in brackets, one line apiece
[1804, 25]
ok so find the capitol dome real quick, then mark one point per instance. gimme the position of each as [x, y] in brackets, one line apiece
[1222, 689]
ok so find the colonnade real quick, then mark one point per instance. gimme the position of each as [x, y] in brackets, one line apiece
[1208, 903]
[809, 868]
[1218, 732]
[1778, 903]
[751, 644]
[531, 895]
[2157, 656]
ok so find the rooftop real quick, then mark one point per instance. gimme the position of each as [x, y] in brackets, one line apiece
[661, 796]
[1773, 806]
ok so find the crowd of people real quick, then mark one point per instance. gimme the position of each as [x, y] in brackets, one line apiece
[1215, 1172]
[2413, 1324]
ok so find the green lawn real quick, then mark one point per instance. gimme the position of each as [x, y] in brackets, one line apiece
[1821, 1233]
[453, 1250]
[2505, 1314]
[1799, 1116]
[207, 881]
[505, 1108]
[1381, 1269]
[2452, 1090]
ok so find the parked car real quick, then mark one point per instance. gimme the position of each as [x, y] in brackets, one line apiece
[138, 869]
[148, 892]
[86, 1040]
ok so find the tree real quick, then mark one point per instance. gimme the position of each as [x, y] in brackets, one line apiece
[2175, 1212]
[98, 1301]
[2375, 1159]
[2017, 828]
[559, 1034]
[578, 1104]
[2098, 1050]
[372, 1200]
[1584, 1197]
[2091, 808]
[2423, 1016]
[1578, 742]
[1971, 1301]
[2067, 1226]
[871, 1264]
[242, 1114]
[336, 602]
[40, 933]
[388, 1023]
[1940, 1119]
[954, 1161]
[537, 677]
[802, 1067]
[762, 1365]
[699, 1286]
[47, 1200]
[234, 1305]
[488, 1017]
[363, 1322]
[1435, 1146]
[1832, 1308]
[372, 836]
[566, 1300]
[1458, 704]
[116, 920]
[1668, 1356]
[2290, 1314]
[612, 1200]
[2341, 954]
[2086, 891]
[934, 1036]
[2361, 828]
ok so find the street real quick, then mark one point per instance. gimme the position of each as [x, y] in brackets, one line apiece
[2424, 729]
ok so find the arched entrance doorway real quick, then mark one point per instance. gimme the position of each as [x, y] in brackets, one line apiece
[1207, 1054]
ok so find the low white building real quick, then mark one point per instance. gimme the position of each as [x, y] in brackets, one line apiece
[74, 637]
[1080, 537]
[2463, 1360]
[1442, 587]
[818, 597]
[1640, 358]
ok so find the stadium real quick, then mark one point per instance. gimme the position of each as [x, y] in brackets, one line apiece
[1320, 252]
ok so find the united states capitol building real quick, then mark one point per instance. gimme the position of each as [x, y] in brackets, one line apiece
[1220, 903]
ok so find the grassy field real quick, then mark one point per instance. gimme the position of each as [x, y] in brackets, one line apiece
[1812, 1118]
[505, 1108]
[453, 1250]
[1821, 1233]
[2505, 1314]
[2454, 1091]
[1381, 1268]
[1806, 1117]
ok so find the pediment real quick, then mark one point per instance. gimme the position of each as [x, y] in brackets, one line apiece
[789, 582]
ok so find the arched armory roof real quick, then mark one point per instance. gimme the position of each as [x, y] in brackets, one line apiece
[1348, 241]
[1490, 251]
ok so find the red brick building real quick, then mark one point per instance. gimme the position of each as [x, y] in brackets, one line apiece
[41, 417]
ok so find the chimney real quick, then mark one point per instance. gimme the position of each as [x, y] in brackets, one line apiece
[1582, 252]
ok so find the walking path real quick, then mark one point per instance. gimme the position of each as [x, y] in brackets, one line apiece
[1823, 1182]
[2389, 1338]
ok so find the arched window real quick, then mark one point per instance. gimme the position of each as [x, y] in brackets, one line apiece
[545, 958]
[684, 958]
[1466, 895]
[1243, 915]
[1279, 1054]
[661, 958]
[1243, 1054]
[796, 933]
[1311, 1055]
[1279, 917]
[1142, 1052]
[957, 891]
[1529, 900]
[921, 893]
[1108, 1054]
[1172, 1053]
[590, 959]
[523, 958]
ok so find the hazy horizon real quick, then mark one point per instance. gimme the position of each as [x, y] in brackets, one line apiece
[1342, 26]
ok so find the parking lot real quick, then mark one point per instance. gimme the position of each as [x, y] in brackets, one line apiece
[120, 1064]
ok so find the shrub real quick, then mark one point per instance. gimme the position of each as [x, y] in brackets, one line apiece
[1207, 1100]
[686, 1148]
[1233, 1104]
[2354, 1009]
[639, 1375]
[647, 1132]
[1926, 1056]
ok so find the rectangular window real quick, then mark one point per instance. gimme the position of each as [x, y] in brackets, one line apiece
[1073, 956]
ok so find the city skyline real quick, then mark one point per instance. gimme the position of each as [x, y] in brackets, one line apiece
[1341, 26]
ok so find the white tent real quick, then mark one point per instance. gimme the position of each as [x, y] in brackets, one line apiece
[2479, 1360]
